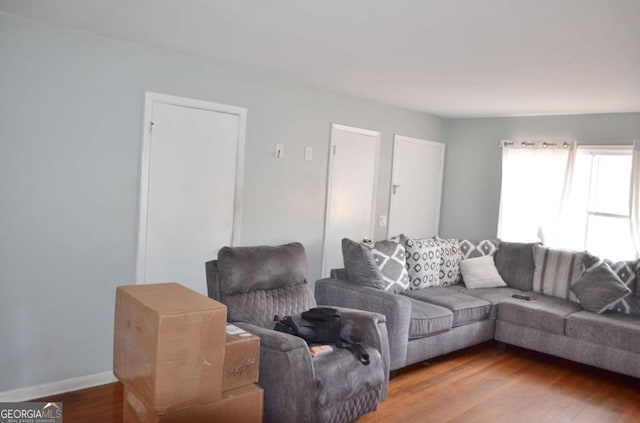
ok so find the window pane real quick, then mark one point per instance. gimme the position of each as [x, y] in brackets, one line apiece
[610, 237]
[610, 184]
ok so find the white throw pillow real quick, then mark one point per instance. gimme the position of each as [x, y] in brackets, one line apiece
[480, 272]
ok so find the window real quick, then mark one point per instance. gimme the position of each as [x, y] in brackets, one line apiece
[600, 192]
[533, 180]
[568, 196]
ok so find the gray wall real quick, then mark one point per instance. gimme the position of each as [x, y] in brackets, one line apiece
[471, 192]
[70, 131]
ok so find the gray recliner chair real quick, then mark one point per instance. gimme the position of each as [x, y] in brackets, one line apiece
[257, 283]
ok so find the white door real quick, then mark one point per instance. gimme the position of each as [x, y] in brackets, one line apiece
[351, 190]
[416, 187]
[190, 194]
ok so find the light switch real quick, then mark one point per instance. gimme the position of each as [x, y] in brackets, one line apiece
[382, 221]
[279, 151]
[308, 153]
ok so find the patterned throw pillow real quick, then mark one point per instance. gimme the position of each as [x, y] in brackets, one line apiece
[627, 272]
[423, 262]
[599, 289]
[470, 248]
[556, 270]
[390, 257]
[449, 261]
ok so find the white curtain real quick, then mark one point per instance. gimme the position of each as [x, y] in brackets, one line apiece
[634, 197]
[536, 177]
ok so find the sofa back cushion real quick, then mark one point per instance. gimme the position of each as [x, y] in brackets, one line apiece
[514, 261]
[556, 270]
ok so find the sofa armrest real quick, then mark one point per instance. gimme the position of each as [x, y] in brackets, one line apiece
[395, 308]
[367, 328]
[285, 367]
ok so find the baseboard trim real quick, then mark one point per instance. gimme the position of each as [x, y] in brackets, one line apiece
[58, 387]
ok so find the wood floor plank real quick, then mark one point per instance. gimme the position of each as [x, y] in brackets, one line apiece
[101, 404]
[478, 384]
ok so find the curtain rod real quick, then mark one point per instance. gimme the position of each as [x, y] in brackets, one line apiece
[531, 144]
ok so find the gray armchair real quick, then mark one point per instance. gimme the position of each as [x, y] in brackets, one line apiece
[257, 283]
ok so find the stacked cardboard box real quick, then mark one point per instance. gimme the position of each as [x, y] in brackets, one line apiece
[169, 352]
[242, 405]
[241, 359]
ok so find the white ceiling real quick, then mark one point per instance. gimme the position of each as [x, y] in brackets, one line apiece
[453, 58]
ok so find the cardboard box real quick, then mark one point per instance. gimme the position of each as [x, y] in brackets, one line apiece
[241, 358]
[169, 345]
[242, 405]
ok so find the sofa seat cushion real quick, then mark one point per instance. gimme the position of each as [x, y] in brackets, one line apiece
[614, 330]
[493, 295]
[340, 375]
[546, 313]
[465, 308]
[427, 319]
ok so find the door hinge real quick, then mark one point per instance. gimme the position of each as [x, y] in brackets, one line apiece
[151, 126]
[334, 150]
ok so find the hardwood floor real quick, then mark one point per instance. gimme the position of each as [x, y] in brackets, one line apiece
[479, 384]
[99, 404]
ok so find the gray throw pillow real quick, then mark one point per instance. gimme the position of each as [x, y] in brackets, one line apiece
[599, 289]
[514, 261]
[360, 265]
[627, 272]
[390, 257]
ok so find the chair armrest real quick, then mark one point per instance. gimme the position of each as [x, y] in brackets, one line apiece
[396, 309]
[286, 375]
[367, 328]
[274, 340]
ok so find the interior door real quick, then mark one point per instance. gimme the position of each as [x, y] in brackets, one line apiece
[190, 209]
[416, 187]
[351, 190]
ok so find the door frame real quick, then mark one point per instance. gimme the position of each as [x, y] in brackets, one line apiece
[397, 138]
[327, 205]
[147, 124]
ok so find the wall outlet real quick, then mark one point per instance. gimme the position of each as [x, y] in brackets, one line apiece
[382, 221]
[279, 151]
[308, 153]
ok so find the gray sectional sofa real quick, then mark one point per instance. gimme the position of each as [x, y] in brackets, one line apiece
[429, 322]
